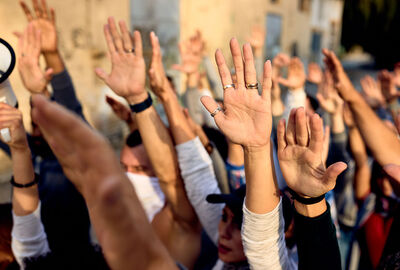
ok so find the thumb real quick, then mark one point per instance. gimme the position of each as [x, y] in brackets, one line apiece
[48, 74]
[101, 74]
[334, 170]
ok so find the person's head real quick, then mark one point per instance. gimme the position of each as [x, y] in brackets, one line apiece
[230, 247]
[134, 158]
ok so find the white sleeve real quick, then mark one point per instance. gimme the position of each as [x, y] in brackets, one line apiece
[263, 239]
[294, 99]
[199, 179]
[28, 238]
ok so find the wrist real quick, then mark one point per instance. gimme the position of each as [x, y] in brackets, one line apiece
[22, 149]
[256, 149]
[138, 98]
[311, 210]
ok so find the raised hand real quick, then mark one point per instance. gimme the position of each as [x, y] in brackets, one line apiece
[120, 110]
[300, 156]
[296, 75]
[197, 44]
[11, 118]
[158, 80]
[128, 74]
[388, 86]
[256, 40]
[33, 78]
[341, 81]
[328, 98]
[44, 20]
[372, 92]
[246, 118]
[315, 74]
[190, 60]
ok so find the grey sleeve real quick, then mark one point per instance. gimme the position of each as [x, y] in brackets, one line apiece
[191, 100]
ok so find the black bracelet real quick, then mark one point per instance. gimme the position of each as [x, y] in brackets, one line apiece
[140, 107]
[34, 182]
[306, 201]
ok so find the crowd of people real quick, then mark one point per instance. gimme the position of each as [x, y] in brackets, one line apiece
[245, 170]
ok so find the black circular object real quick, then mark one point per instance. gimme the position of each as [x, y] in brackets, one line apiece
[7, 73]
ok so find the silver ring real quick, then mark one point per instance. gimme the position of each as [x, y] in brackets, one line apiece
[130, 50]
[217, 110]
[229, 85]
[252, 85]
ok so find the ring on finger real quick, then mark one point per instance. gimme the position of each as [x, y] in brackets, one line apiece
[229, 85]
[130, 50]
[217, 110]
[252, 85]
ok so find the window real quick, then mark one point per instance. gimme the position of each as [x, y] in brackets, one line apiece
[273, 37]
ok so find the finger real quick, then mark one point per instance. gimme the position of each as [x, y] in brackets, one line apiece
[26, 10]
[333, 172]
[18, 34]
[115, 35]
[267, 81]
[237, 62]
[223, 69]
[109, 39]
[126, 36]
[285, 82]
[301, 127]
[48, 74]
[101, 74]
[155, 46]
[280, 133]
[37, 9]
[250, 74]
[44, 9]
[30, 39]
[317, 134]
[210, 104]
[291, 128]
[37, 44]
[137, 37]
[52, 15]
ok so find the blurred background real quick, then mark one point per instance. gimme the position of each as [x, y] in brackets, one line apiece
[362, 32]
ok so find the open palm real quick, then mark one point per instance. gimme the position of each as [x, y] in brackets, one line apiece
[246, 119]
[128, 73]
[300, 156]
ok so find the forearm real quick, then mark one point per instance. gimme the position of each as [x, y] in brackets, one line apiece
[383, 143]
[54, 61]
[179, 126]
[156, 140]
[337, 123]
[316, 237]
[25, 200]
[277, 107]
[235, 154]
[264, 241]
[262, 193]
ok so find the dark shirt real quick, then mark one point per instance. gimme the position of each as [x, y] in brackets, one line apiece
[316, 240]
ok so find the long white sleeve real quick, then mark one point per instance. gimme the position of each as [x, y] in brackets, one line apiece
[200, 181]
[28, 238]
[294, 99]
[263, 239]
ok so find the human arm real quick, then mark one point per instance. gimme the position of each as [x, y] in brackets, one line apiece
[256, 40]
[89, 162]
[300, 158]
[45, 20]
[386, 149]
[362, 175]
[28, 235]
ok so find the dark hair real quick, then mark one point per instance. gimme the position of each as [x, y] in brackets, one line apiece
[134, 139]
[91, 259]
